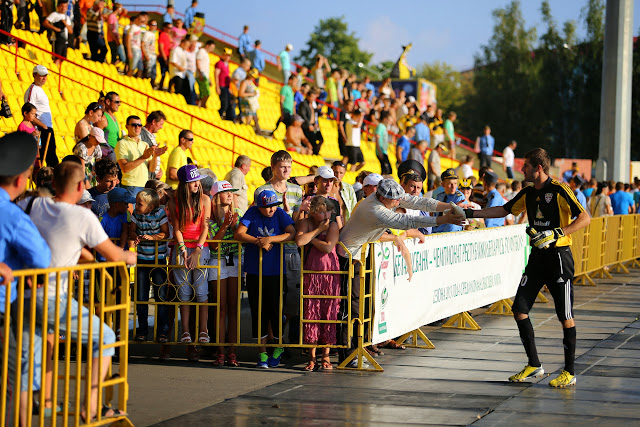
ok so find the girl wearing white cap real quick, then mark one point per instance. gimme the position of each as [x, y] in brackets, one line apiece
[225, 218]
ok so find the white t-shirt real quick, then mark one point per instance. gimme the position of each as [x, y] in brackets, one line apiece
[508, 157]
[136, 36]
[354, 133]
[37, 96]
[191, 61]
[204, 62]
[67, 229]
[149, 44]
[178, 56]
[56, 17]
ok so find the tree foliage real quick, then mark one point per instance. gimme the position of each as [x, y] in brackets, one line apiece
[332, 39]
[543, 91]
[452, 85]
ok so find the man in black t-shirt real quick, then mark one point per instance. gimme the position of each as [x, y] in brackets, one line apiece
[550, 205]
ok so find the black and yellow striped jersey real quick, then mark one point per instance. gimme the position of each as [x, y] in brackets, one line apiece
[550, 207]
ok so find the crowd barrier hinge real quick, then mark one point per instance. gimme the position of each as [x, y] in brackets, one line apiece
[501, 307]
[414, 335]
[584, 280]
[360, 354]
[602, 273]
[463, 321]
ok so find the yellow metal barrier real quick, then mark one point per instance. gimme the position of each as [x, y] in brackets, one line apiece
[54, 332]
[608, 244]
[359, 326]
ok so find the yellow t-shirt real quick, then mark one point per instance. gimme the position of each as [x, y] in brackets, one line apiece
[130, 150]
[177, 159]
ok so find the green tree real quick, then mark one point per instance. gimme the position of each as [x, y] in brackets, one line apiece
[332, 39]
[452, 86]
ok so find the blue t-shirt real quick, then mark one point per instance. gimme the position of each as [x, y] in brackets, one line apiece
[494, 199]
[620, 201]
[404, 142]
[582, 199]
[298, 98]
[284, 60]
[636, 197]
[113, 227]
[101, 204]
[422, 133]
[456, 198]
[259, 225]
[356, 94]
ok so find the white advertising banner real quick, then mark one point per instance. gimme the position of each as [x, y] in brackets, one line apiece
[452, 273]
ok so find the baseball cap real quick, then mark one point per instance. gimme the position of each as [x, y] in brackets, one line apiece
[40, 70]
[449, 174]
[189, 173]
[443, 146]
[86, 197]
[227, 51]
[267, 198]
[289, 46]
[372, 179]
[465, 183]
[254, 73]
[325, 172]
[221, 187]
[490, 177]
[411, 98]
[17, 152]
[389, 189]
[119, 194]
[98, 134]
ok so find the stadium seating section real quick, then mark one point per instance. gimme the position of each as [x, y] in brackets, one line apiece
[217, 142]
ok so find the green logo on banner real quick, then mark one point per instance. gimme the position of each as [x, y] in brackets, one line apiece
[382, 327]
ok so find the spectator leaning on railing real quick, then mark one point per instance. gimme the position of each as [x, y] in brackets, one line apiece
[21, 245]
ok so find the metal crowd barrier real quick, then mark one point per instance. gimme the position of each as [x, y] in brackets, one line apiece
[360, 327]
[63, 352]
[609, 243]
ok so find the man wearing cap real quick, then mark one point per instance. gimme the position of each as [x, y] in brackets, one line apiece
[284, 63]
[371, 219]
[36, 96]
[493, 197]
[433, 164]
[227, 109]
[134, 157]
[484, 147]
[295, 139]
[236, 177]
[451, 194]
[178, 157]
[370, 184]
[550, 207]
[21, 245]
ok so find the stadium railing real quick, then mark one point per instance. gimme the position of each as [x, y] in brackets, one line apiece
[97, 287]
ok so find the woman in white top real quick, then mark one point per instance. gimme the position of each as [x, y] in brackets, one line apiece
[92, 115]
[600, 203]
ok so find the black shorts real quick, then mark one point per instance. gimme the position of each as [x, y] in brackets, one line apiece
[551, 267]
[342, 146]
[355, 155]
[270, 303]
[60, 47]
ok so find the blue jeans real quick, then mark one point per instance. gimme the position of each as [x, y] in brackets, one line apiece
[191, 99]
[145, 277]
[285, 76]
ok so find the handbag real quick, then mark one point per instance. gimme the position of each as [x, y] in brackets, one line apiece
[5, 110]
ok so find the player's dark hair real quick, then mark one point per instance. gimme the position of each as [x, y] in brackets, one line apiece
[539, 157]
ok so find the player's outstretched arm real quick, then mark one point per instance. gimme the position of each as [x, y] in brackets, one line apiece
[495, 212]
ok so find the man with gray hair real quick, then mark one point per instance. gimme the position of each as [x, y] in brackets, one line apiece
[236, 177]
[368, 222]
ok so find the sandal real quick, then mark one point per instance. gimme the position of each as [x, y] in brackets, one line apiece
[186, 337]
[219, 360]
[163, 339]
[376, 350]
[140, 338]
[326, 366]
[115, 412]
[231, 361]
[203, 337]
[394, 345]
[193, 355]
[310, 366]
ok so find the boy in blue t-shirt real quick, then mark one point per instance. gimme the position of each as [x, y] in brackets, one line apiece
[263, 226]
[115, 221]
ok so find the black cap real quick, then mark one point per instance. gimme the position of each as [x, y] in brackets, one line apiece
[490, 177]
[18, 151]
[411, 166]
[449, 174]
